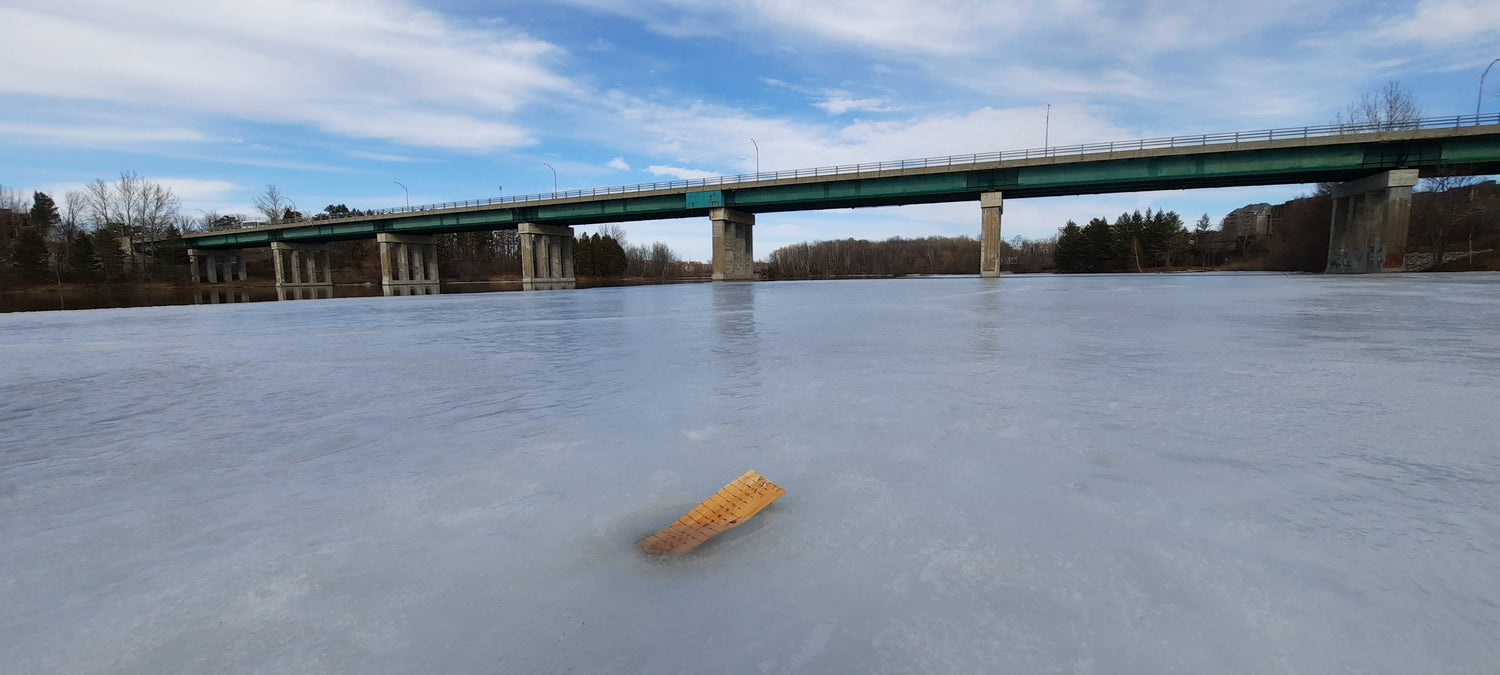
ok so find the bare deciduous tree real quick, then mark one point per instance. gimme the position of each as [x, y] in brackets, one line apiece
[1393, 107]
[274, 205]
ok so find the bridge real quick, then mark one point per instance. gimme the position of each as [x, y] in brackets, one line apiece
[1376, 166]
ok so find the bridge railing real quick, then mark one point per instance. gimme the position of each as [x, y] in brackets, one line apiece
[1229, 138]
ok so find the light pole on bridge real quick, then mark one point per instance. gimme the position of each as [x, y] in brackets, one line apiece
[1480, 101]
[1047, 130]
[405, 192]
[757, 158]
[554, 178]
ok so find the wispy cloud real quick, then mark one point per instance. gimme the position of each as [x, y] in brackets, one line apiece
[1440, 22]
[679, 172]
[93, 136]
[363, 68]
[387, 157]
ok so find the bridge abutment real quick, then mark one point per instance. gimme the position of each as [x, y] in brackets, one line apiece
[546, 257]
[407, 260]
[991, 206]
[1369, 226]
[216, 265]
[734, 246]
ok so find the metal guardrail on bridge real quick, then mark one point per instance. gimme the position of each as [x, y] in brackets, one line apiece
[1229, 138]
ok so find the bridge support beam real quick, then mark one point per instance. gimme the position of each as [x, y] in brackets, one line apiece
[991, 205]
[408, 261]
[546, 257]
[1370, 219]
[301, 265]
[216, 265]
[734, 246]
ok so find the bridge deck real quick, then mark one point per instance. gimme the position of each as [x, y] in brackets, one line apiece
[1222, 160]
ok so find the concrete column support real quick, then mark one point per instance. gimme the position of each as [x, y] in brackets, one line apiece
[546, 257]
[213, 268]
[734, 248]
[408, 261]
[193, 256]
[991, 206]
[297, 265]
[1369, 223]
[278, 259]
[302, 265]
[244, 266]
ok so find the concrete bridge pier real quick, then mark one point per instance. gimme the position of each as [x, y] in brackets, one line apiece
[991, 206]
[217, 265]
[546, 257]
[301, 265]
[1370, 220]
[407, 260]
[734, 246]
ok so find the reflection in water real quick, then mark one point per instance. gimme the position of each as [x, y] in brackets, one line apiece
[72, 297]
[987, 327]
[216, 296]
[737, 347]
[411, 289]
[304, 292]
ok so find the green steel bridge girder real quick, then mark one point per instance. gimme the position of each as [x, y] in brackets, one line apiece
[1475, 155]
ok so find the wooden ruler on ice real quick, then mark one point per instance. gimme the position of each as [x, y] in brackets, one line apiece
[727, 508]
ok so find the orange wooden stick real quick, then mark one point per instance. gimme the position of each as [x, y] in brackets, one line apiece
[727, 508]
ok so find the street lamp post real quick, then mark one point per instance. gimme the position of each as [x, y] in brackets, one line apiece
[1480, 102]
[1047, 129]
[405, 192]
[757, 158]
[554, 178]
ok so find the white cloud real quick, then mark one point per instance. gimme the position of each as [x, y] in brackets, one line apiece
[618, 163]
[386, 157]
[1441, 22]
[63, 134]
[840, 102]
[364, 68]
[679, 172]
[710, 136]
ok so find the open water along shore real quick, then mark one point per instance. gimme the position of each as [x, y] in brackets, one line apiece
[1227, 473]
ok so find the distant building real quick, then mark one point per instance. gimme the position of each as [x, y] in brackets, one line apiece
[1249, 221]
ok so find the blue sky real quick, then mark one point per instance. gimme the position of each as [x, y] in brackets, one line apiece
[335, 101]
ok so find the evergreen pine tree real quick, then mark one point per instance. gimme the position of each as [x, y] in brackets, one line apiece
[43, 213]
[85, 265]
[30, 253]
[1069, 252]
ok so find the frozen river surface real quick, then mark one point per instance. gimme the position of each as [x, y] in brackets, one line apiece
[1193, 473]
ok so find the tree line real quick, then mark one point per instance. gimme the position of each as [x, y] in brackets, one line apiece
[1134, 242]
[130, 230]
[861, 257]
